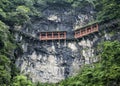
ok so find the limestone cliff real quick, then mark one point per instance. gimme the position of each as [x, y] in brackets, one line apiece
[52, 61]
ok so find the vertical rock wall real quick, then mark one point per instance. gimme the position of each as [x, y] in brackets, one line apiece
[52, 61]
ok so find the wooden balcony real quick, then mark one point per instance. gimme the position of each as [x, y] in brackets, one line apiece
[85, 31]
[52, 35]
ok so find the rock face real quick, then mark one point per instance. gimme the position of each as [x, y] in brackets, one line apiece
[52, 61]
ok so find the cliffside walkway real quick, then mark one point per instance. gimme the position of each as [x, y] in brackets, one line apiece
[61, 35]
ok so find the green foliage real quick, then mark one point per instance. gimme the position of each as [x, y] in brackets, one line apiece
[12, 12]
[6, 51]
[108, 9]
[45, 84]
[21, 80]
[64, 3]
[4, 70]
[2, 13]
[103, 73]
[17, 18]
[5, 37]
[23, 9]
[16, 12]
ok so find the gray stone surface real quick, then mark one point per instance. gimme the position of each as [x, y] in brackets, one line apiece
[52, 61]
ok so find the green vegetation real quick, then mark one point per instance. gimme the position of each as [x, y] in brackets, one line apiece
[6, 49]
[4, 70]
[21, 81]
[107, 9]
[9, 74]
[105, 72]
[17, 12]
[8, 70]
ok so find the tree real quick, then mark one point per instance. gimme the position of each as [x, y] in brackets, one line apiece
[4, 71]
[21, 80]
[108, 9]
[7, 46]
[106, 72]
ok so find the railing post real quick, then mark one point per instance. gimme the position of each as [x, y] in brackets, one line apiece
[86, 30]
[52, 35]
[80, 33]
[58, 35]
[46, 36]
[97, 27]
[91, 29]
[64, 35]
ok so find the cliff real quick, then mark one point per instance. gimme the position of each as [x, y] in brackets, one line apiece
[52, 61]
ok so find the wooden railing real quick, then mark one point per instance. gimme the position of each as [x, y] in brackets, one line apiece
[62, 35]
[52, 35]
[85, 31]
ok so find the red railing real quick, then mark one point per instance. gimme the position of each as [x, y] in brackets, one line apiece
[52, 35]
[85, 31]
[62, 35]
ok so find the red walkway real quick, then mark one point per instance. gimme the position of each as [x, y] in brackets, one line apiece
[52, 35]
[85, 31]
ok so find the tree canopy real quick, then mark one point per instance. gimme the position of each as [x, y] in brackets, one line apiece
[105, 72]
[107, 9]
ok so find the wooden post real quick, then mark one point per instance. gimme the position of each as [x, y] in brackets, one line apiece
[58, 35]
[64, 35]
[46, 36]
[97, 27]
[52, 36]
[79, 33]
[92, 30]
[86, 30]
[65, 42]
[59, 43]
[83, 32]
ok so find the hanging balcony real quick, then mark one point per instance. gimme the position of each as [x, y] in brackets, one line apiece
[85, 31]
[52, 35]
